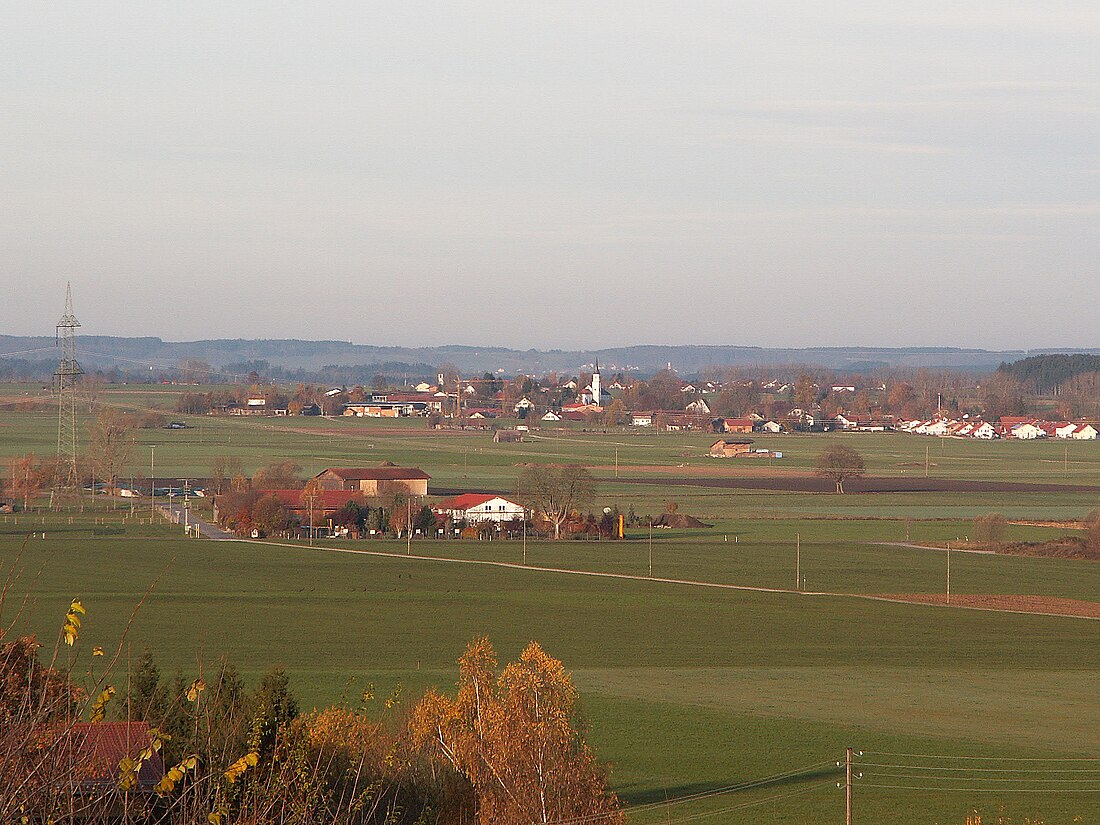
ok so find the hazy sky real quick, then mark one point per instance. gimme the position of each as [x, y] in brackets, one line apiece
[556, 174]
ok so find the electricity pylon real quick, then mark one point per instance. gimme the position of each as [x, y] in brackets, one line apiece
[67, 478]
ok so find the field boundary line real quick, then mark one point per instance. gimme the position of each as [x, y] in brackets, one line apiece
[506, 565]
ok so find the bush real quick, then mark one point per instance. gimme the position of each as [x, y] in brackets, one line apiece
[990, 528]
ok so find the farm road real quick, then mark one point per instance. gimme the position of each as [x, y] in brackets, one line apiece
[656, 580]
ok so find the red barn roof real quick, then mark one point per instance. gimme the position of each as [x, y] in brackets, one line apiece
[323, 500]
[375, 473]
[466, 501]
[101, 746]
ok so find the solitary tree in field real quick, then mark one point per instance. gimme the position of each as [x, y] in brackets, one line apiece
[840, 463]
[555, 492]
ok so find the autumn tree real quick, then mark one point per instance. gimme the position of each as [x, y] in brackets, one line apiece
[840, 463]
[26, 478]
[223, 468]
[805, 391]
[555, 492]
[517, 738]
[279, 475]
[270, 516]
[110, 445]
[1002, 394]
[736, 400]
[990, 527]
[311, 498]
[615, 414]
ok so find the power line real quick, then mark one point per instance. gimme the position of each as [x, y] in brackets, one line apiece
[983, 790]
[754, 803]
[977, 779]
[702, 795]
[974, 770]
[988, 758]
[26, 351]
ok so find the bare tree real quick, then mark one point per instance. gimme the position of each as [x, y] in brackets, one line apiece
[26, 478]
[840, 463]
[222, 469]
[110, 445]
[554, 491]
[280, 475]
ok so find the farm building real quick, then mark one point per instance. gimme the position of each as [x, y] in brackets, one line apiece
[100, 747]
[737, 425]
[507, 437]
[730, 447]
[325, 503]
[471, 507]
[373, 481]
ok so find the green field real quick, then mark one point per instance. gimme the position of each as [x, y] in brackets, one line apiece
[687, 688]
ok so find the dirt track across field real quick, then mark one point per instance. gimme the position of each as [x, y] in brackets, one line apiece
[869, 484]
[1047, 605]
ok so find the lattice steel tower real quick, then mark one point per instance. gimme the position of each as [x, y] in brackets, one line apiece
[67, 372]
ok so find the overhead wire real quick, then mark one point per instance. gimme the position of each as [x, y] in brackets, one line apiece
[986, 758]
[974, 770]
[752, 804]
[708, 794]
[981, 790]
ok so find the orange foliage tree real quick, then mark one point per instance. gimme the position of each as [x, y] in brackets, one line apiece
[515, 737]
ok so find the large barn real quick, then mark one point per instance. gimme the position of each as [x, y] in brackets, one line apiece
[373, 481]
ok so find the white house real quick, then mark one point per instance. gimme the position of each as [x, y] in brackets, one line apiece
[1085, 432]
[1028, 431]
[985, 431]
[698, 407]
[641, 419]
[471, 507]
[772, 427]
[551, 416]
[523, 404]
[1065, 430]
[846, 423]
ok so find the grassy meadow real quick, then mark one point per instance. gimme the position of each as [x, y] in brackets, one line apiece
[687, 689]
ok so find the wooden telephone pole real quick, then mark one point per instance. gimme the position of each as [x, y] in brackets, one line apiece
[848, 786]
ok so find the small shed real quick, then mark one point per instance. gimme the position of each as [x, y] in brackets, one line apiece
[730, 447]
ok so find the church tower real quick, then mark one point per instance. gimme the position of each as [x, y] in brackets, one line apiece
[596, 385]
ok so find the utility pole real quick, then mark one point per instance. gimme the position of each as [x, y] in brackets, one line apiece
[926, 461]
[67, 478]
[848, 786]
[651, 547]
[524, 536]
[408, 525]
[797, 560]
[152, 483]
[949, 572]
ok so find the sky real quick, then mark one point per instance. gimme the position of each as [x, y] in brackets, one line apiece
[554, 175]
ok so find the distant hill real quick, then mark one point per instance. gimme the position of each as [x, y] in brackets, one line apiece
[1045, 372]
[301, 359]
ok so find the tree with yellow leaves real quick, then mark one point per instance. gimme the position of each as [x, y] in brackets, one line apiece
[515, 737]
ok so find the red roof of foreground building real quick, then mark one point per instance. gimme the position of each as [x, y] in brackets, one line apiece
[323, 499]
[466, 501]
[101, 746]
